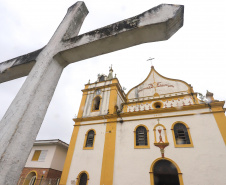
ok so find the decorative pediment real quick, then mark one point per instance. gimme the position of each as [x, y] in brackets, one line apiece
[156, 85]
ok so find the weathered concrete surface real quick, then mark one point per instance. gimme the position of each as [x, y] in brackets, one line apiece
[156, 24]
[18, 67]
[21, 123]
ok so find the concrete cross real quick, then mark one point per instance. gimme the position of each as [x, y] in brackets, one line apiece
[21, 123]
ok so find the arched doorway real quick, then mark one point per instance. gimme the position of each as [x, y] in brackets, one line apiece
[30, 179]
[164, 171]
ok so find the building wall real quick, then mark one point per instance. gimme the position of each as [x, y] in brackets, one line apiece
[88, 160]
[59, 158]
[120, 100]
[42, 173]
[105, 102]
[54, 174]
[46, 171]
[203, 164]
[41, 164]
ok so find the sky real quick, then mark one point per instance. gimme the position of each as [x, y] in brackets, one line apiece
[195, 54]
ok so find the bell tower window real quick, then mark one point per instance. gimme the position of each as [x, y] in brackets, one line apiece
[96, 103]
[101, 79]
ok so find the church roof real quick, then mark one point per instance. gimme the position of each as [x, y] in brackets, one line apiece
[50, 142]
[157, 86]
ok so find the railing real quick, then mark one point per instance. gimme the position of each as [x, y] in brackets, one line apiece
[41, 181]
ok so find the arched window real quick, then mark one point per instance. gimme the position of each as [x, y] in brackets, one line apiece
[181, 135]
[96, 103]
[141, 137]
[157, 105]
[89, 139]
[82, 178]
[30, 178]
[165, 172]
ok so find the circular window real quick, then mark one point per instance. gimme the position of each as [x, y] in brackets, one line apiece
[157, 105]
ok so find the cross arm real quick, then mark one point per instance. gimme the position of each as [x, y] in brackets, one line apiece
[18, 67]
[156, 24]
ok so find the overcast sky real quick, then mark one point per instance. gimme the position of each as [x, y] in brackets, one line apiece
[195, 54]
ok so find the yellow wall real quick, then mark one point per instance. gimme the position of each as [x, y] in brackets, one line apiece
[221, 121]
[109, 145]
[71, 148]
[109, 154]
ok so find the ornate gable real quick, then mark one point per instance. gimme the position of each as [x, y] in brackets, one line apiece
[157, 86]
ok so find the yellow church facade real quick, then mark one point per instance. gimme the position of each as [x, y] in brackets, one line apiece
[159, 133]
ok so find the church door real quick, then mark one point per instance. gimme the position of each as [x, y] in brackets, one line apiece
[165, 173]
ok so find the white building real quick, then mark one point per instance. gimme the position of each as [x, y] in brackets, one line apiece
[160, 133]
[45, 163]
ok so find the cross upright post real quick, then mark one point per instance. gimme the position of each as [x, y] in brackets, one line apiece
[22, 121]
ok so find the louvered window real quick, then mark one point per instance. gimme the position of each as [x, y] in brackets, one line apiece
[83, 179]
[39, 155]
[90, 138]
[141, 136]
[181, 134]
[42, 155]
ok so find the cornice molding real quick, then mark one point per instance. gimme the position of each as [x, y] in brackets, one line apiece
[219, 104]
